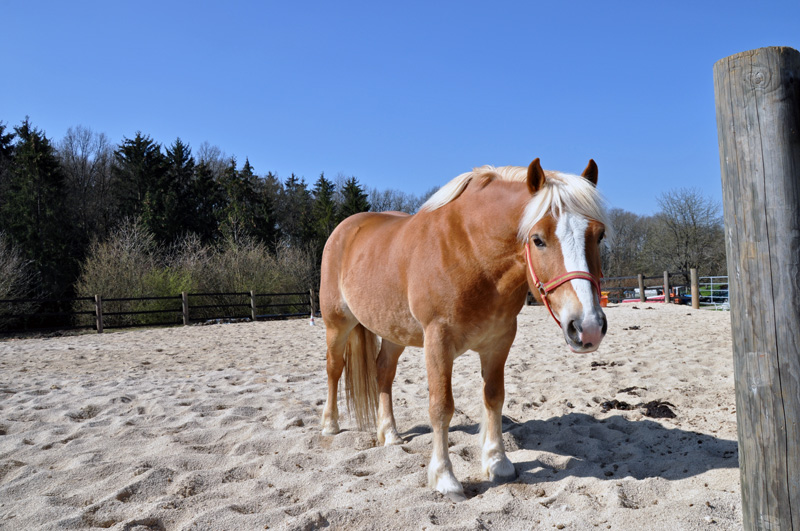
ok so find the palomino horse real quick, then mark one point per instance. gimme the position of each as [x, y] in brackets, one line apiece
[452, 278]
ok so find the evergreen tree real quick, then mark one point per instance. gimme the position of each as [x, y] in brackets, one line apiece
[232, 217]
[6, 150]
[209, 199]
[266, 228]
[354, 199]
[168, 204]
[295, 211]
[324, 212]
[138, 166]
[6, 146]
[33, 213]
[248, 212]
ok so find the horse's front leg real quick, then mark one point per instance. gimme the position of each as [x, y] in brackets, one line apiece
[493, 454]
[439, 364]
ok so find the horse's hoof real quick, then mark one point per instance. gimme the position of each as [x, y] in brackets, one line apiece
[331, 428]
[500, 469]
[390, 439]
[448, 485]
[457, 497]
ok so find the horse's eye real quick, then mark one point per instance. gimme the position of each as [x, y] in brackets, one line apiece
[537, 241]
[602, 235]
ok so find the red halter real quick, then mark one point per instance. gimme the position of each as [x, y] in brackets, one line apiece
[546, 289]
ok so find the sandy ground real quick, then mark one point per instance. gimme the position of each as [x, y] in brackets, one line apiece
[217, 427]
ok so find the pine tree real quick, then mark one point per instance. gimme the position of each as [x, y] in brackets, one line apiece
[324, 211]
[33, 213]
[209, 197]
[266, 228]
[138, 166]
[249, 212]
[295, 211]
[6, 150]
[168, 204]
[354, 199]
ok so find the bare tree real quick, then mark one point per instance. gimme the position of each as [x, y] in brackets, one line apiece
[213, 158]
[85, 158]
[16, 273]
[623, 254]
[692, 234]
[385, 200]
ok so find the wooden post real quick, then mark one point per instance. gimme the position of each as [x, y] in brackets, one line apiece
[695, 289]
[666, 287]
[185, 305]
[758, 121]
[253, 305]
[311, 301]
[642, 297]
[98, 313]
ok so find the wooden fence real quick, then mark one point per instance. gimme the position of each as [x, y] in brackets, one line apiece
[623, 288]
[100, 313]
[701, 291]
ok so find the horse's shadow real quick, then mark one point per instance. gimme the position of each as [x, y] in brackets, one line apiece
[580, 445]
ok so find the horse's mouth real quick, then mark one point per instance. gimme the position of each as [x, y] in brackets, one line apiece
[580, 348]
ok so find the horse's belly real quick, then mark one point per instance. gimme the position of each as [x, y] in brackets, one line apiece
[387, 316]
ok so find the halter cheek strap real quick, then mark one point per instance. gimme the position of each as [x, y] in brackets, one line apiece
[549, 287]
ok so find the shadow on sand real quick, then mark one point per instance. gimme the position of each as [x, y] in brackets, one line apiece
[580, 445]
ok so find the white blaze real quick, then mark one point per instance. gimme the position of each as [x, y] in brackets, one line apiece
[571, 232]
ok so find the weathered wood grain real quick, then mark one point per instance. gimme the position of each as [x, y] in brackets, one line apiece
[758, 120]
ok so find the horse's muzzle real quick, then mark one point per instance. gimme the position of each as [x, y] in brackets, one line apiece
[584, 333]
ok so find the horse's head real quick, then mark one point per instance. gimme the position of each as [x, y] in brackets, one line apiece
[562, 228]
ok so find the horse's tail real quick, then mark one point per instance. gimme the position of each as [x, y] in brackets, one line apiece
[361, 376]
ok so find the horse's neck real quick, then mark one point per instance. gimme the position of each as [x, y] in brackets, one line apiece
[491, 218]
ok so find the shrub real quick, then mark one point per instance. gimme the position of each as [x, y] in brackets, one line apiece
[16, 282]
[129, 264]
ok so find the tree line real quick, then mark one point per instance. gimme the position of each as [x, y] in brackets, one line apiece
[63, 203]
[686, 233]
[58, 200]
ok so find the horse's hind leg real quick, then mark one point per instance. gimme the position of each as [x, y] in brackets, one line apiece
[387, 367]
[493, 455]
[336, 334]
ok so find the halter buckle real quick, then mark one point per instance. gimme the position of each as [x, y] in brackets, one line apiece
[542, 291]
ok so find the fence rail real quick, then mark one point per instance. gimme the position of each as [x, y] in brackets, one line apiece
[99, 313]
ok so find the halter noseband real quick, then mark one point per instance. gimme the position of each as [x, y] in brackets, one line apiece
[546, 289]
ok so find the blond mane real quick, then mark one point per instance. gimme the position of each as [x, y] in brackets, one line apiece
[561, 192]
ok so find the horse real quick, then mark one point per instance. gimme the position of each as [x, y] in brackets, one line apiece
[453, 277]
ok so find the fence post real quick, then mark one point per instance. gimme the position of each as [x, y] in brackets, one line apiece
[311, 301]
[98, 313]
[666, 287]
[757, 97]
[185, 305]
[695, 289]
[253, 305]
[642, 297]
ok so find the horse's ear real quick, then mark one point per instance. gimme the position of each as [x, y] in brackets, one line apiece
[590, 172]
[535, 176]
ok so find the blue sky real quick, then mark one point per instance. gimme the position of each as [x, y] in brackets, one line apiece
[402, 95]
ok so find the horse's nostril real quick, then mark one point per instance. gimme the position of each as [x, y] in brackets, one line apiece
[605, 325]
[573, 332]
